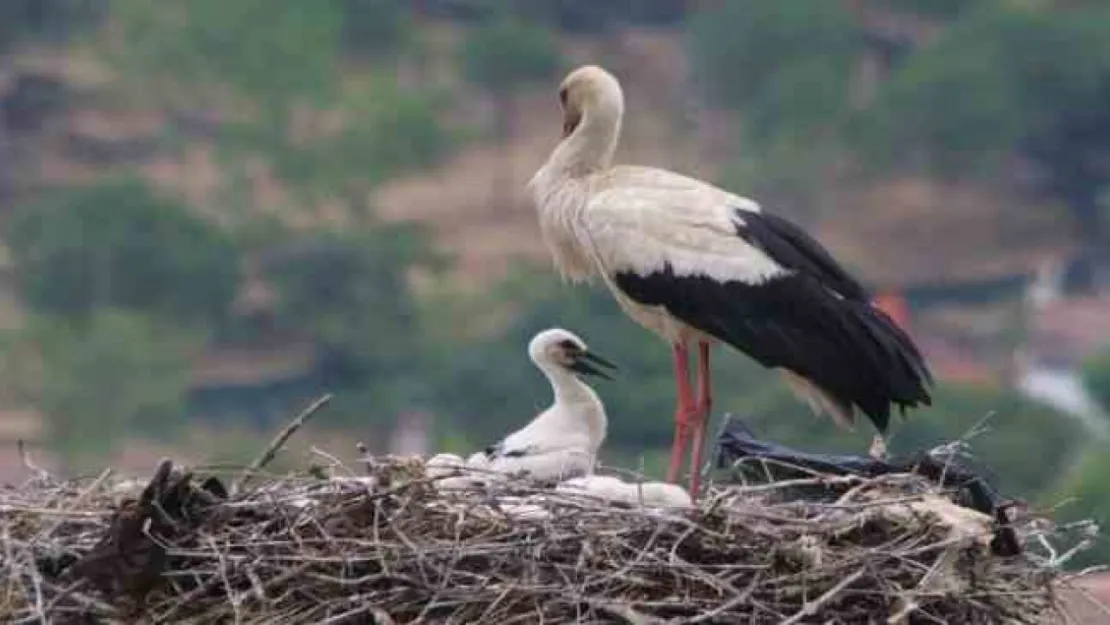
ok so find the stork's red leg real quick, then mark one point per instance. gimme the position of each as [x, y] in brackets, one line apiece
[701, 418]
[705, 393]
[683, 413]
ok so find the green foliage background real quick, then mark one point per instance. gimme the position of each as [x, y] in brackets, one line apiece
[118, 244]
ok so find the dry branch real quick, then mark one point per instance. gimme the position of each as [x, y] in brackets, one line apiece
[271, 450]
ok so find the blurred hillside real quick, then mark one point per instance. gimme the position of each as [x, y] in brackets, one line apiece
[213, 211]
[112, 122]
[986, 229]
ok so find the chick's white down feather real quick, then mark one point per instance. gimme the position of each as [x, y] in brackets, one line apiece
[128, 486]
[443, 465]
[465, 482]
[649, 494]
[451, 472]
[546, 465]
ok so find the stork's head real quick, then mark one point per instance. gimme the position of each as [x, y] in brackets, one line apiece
[560, 348]
[589, 91]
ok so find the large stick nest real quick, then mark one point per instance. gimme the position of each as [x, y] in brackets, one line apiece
[388, 547]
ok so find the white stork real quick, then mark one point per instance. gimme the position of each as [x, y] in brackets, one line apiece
[692, 262]
[563, 440]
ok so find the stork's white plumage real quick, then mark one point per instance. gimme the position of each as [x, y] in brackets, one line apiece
[563, 440]
[693, 262]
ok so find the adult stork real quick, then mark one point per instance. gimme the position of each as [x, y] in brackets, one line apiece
[695, 263]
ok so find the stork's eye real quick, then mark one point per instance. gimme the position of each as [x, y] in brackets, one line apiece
[569, 349]
[563, 98]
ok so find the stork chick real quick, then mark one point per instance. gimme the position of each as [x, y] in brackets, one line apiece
[562, 441]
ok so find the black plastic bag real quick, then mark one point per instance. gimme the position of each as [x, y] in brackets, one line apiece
[753, 459]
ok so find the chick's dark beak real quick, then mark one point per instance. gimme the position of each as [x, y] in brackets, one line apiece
[588, 363]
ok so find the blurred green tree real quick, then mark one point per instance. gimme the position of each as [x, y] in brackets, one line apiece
[573, 16]
[389, 130]
[785, 64]
[100, 380]
[20, 19]
[1084, 494]
[272, 66]
[119, 244]
[350, 293]
[935, 8]
[1096, 375]
[1003, 81]
[504, 56]
[271, 52]
[374, 27]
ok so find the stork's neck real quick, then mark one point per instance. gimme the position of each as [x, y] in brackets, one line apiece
[574, 397]
[569, 390]
[591, 146]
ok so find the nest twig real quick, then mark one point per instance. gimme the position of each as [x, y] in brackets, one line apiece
[279, 441]
[302, 549]
[390, 547]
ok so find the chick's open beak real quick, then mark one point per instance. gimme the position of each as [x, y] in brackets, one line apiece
[588, 363]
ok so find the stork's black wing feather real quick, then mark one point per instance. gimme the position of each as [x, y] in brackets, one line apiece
[815, 321]
[793, 248]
